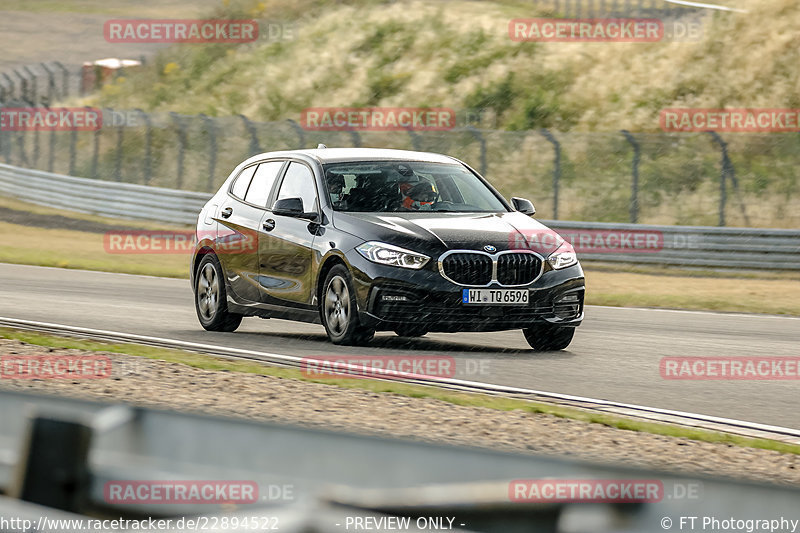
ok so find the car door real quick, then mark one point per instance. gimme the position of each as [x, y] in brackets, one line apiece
[240, 216]
[286, 249]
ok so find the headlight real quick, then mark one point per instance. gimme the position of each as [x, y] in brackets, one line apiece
[387, 254]
[563, 257]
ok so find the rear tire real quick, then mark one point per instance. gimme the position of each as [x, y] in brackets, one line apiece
[547, 338]
[339, 312]
[210, 298]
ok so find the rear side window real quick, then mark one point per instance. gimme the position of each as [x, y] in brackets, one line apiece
[262, 183]
[299, 183]
[241, 184]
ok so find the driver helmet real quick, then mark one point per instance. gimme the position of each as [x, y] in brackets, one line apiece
[419, 196]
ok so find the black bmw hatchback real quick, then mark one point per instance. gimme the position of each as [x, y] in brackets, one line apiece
[364, 240]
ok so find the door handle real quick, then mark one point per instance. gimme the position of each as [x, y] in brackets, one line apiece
[268, 225]
[227, 212]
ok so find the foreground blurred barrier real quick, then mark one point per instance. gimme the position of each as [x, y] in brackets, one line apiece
[62, 459]
[683, 246]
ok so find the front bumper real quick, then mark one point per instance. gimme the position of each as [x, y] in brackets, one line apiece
[389, 297]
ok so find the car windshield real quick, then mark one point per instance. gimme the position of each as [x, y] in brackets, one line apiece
[406, 186]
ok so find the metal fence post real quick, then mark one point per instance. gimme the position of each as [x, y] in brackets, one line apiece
[65, 78]
[23, 157]
[147, 169]
[556, 168]
[96, 147]
[414, 139]
[251, 130]
[34, 84]
[634, 202]
[35, 155]
[477, 134]
[19, 136]
[23, 84]
[301, 134]
[212, 147]
[10, 94]
[4, 140]
[727, 171]
[118, 154]
[73, 143]
[181, 146]
[355, 137]
[51, 157]
[723, 193]
[51, 82]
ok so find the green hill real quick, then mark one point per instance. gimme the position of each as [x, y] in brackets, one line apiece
[458, 54]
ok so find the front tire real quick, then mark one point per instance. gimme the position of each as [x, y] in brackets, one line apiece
[210, 298]
[339, 312]
[548, 338]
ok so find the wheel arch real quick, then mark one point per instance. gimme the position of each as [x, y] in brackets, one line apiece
[198, 257]
[327, 264]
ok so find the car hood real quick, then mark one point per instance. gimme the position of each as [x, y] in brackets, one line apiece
[436, 232]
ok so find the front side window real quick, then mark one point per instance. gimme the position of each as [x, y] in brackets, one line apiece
[299, 183]
[262, 183]
[398, 186]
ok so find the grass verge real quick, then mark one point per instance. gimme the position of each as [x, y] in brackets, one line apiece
[61, 248]
[207, 362]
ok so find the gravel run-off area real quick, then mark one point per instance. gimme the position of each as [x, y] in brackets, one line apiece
[160, 384]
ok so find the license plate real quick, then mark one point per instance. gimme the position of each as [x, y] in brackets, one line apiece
[495, 296]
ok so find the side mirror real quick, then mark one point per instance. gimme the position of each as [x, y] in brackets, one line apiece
[292, 207]
[523, 206]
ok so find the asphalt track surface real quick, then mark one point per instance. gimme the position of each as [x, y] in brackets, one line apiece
[615, 355]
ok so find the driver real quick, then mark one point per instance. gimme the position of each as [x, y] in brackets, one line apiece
[336, 189]
[419, 196]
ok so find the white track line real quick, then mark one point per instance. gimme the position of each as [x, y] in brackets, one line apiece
[696, 312]
[706, 6]
[403, 376]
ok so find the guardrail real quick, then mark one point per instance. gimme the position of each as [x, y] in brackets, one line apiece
[682, 246]
[108, 198]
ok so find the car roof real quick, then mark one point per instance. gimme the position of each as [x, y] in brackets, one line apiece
[339, 155]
